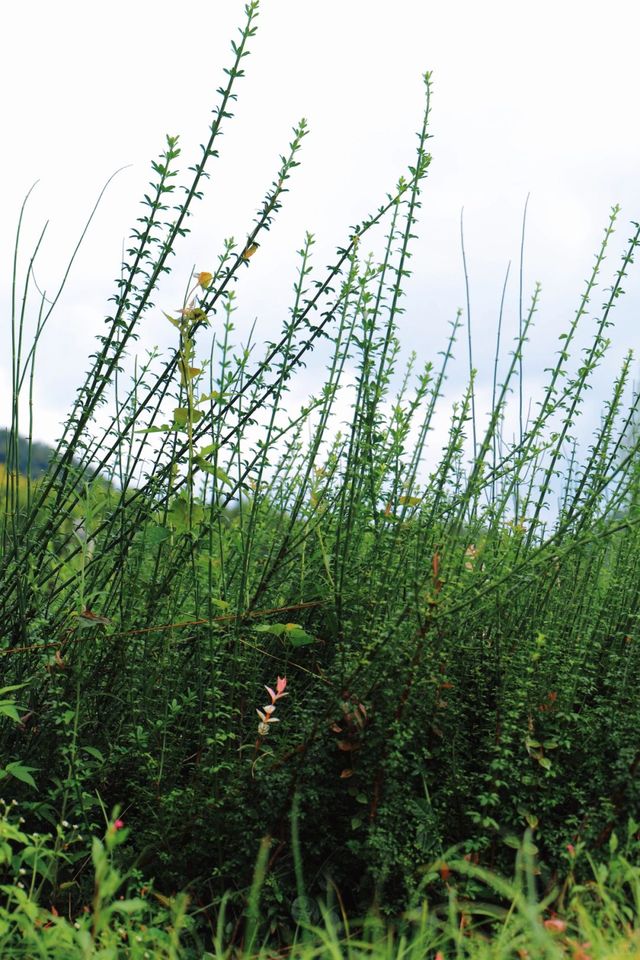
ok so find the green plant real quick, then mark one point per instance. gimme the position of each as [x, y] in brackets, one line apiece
[462, 659]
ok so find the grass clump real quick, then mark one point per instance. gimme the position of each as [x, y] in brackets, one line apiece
[460, 661]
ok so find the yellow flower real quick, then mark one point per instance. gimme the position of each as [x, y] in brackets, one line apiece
[204, 279]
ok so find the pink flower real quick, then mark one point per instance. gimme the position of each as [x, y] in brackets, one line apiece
[279, 691]
[571, 850]
[118, 824]
[266, 714]
[555, 925]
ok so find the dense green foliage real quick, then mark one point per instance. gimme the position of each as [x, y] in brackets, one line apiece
[461, 660]
[128, 919]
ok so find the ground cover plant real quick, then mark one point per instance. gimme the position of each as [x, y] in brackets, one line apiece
[450, 661]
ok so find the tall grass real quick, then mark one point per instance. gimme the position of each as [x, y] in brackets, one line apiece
[461, 660]
[505, 918]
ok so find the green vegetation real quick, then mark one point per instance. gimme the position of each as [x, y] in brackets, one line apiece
[451, 665]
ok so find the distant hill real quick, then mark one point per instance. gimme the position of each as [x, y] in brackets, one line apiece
[40, 454]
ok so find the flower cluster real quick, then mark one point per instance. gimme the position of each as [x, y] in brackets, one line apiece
[266, 714]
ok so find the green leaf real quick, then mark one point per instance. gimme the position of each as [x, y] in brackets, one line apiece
[95, 753]
[16, 686]
[208, 450]
[181, 416]
[135, 905]
[216, 471]
[8, 709]
[188, 373]
[220, 604]
[222, 476]
[544, 762]
[98, 856]
[299, 637]
[179, 513]
[156, 534]
[293, 632]
[165, 428]
[513, 842]
[21, 772]
[276, 628]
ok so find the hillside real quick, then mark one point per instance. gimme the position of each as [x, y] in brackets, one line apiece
[40, 454]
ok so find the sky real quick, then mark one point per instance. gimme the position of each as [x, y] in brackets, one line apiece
[529, 99]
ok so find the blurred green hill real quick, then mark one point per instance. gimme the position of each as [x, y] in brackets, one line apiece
[40, 454]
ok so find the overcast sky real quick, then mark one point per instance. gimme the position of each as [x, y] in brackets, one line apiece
[528, 98]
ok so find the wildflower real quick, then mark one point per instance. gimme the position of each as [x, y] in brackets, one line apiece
[204, 279]
[118, 824]
[571, 850]
[250, 250]
[267, 713]
[555, 925]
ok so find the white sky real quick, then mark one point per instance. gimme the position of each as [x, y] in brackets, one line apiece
[528, 97]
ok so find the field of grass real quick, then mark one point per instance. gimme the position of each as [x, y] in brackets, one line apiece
[272, 684]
